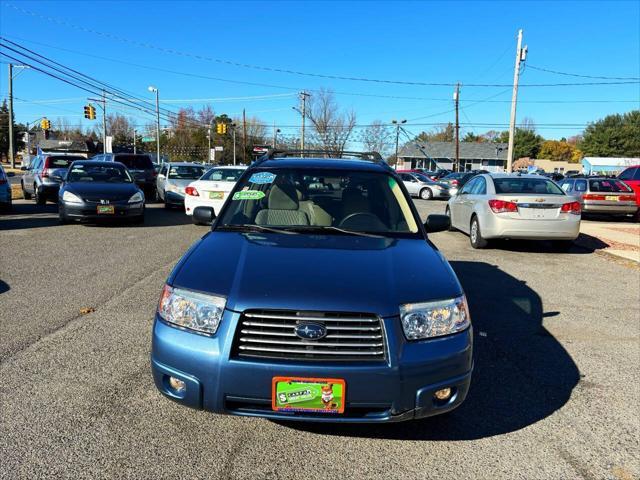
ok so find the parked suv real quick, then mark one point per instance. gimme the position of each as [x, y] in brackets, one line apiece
[43, 176]
[140, 167]
[316, 296]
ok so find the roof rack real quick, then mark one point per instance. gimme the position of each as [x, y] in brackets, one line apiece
[366, 156]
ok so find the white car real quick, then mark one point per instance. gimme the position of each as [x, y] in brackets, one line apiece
[528, 207]
[212, 189]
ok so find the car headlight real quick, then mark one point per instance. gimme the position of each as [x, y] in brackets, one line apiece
[69, 197]
[434, 319]
[192, 310]
[136, 198]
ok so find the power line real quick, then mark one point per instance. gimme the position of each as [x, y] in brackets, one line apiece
[597, 77]
[201, 57]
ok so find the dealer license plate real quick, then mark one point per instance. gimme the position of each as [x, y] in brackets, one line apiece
[106, 210]
[317, 395]
[216, 195]
[611, 198]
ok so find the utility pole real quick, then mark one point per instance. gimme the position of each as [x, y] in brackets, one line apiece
[275, 135]
[244, 137]
[303, 99]
[521, 54]
[397, 124]
[12, 157]
[456, 98]
[151, 88]
[233, 127]
[104, 123]
[134, 141]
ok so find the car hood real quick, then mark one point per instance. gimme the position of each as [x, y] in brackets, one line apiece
[102, 191]
[316, 272]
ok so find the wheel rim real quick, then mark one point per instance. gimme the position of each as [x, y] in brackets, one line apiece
[474, 231]
[426, 194]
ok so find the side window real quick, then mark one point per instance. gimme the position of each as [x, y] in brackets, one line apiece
[581, 186]
[406, 177]
[628, 174]
[37, 164]
[163, 170]
[469, 186]
[636, 175]
[480, 187]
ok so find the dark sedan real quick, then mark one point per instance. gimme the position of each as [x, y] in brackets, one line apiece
[96, 190]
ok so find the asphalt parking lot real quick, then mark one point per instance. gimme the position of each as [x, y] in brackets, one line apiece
[555, 393]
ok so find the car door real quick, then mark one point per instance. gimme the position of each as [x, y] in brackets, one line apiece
[161, 180]
[468, 200]
[460, 206]
[30, 175]
[410, 183]
[477, 199]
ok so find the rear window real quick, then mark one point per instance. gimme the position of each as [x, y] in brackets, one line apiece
[632, 173]
[60, 161]
[135, 162]
[608, 186]
[526, 185]
[186, 172]
[223, 174]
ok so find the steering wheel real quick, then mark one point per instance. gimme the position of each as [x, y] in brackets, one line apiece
[361, 219]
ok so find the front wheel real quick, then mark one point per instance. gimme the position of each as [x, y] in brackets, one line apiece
[426, 194]
[38, 197]
[475, 235]
[447, 212]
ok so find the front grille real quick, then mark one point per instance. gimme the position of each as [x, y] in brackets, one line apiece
[271, 334]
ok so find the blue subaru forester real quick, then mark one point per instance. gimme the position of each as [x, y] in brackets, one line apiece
[316, 296]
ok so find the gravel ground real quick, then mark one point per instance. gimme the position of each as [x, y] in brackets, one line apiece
[555, 393]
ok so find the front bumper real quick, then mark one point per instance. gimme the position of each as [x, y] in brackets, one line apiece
[90, 211]
[174, 198]
[399, 388]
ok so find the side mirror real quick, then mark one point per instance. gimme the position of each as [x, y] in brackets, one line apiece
[435, 223]
[204, 215]
[10, 174]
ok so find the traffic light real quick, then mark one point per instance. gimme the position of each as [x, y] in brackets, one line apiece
[90, 112]
[45, 124]
[221, 128]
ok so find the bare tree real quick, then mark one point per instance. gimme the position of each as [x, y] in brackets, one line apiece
[528, 124]
[332, 128]
[377, 137]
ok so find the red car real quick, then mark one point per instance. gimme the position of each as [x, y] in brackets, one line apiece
[631, 176]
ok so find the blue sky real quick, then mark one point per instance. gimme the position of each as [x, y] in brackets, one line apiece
[469, 42]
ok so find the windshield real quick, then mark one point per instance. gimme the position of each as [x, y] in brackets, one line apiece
[105, 173]
[423, 178]
[135, 162]
[223, 174]
[527, 185]
[314, 199]
[453, 176]
[60, 161]
[186, 172]
[607, 185]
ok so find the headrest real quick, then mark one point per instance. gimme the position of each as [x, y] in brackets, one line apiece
[283, 197]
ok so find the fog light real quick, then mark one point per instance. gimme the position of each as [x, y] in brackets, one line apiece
[177, 385]
[443, 394]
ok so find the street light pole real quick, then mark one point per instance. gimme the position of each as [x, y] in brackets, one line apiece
[233, 127]
[154, 89]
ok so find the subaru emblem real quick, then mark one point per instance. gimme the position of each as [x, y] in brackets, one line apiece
[310, 331]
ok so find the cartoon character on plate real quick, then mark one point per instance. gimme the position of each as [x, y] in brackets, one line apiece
[327, 397]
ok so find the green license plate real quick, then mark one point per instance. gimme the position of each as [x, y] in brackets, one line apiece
[216, 195]
[318, 395]
[106, 209]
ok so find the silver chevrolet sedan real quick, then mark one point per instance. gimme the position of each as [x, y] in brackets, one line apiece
[419, 185]
[514, 206]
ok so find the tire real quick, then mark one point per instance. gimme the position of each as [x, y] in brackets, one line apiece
[195, 222]
[447, 212]
[426, 194]
[26, 195]
[39, 198]
[475, 235]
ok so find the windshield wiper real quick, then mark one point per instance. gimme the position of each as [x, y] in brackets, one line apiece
[322, 228]
[259, 228]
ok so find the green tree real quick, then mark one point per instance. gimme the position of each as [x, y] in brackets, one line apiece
[472, 137]
[4, 132]
[443, 133]
[613, 136]
[526, 142]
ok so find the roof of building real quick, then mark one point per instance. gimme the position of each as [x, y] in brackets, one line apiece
[611, 161]
[469, 150]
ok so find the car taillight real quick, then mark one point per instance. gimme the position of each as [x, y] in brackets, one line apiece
[45, 173]
[627, 198]
[191, 191]
[571, 207]
[454, 182]
[592, 196]
[501, 206]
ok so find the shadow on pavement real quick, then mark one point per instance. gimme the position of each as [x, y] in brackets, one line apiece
[581, 246]
[522, 373]
[4, 287]
[29, 215]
